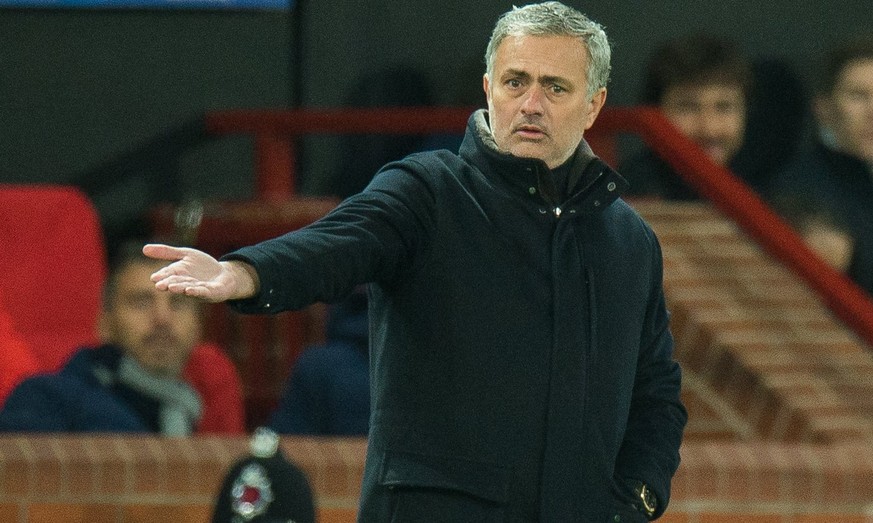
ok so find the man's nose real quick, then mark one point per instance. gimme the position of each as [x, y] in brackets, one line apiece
[162, 312]
[533, 101]
[711, 124]
[868, 104]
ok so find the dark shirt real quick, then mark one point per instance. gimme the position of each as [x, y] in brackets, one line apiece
[837, 185]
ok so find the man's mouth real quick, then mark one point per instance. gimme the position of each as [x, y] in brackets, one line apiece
[532, 132]
[717, 151]
[162, 339]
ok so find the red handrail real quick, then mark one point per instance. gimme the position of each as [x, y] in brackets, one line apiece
[276, 132]
[734, 198]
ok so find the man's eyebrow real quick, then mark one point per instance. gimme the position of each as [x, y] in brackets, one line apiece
[517, 73]
[555, 80]
[137, 293]
[549, 79]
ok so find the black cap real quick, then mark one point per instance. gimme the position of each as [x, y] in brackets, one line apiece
[264, 487]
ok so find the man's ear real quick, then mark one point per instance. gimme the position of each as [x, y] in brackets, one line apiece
[594, 106]
[486, 87]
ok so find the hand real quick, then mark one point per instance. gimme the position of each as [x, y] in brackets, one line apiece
[195, 273]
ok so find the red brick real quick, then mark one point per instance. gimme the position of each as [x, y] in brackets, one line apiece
[72, 513]
[336, 515]
[177, 513]
[17, 475]
[11, 512]
[717, 517]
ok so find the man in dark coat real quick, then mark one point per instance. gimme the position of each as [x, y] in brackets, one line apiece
[833, 176]
[521, 358]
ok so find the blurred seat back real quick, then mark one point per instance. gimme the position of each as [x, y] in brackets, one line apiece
[52, 266]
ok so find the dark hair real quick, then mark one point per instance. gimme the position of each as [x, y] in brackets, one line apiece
[837, 59]
[124, 255]
[694, 59]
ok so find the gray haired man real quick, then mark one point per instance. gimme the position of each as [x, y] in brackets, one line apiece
[521, 358]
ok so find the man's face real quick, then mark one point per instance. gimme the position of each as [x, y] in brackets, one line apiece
[537, 101]
[713, 116]
[157, 329]
[848, 111]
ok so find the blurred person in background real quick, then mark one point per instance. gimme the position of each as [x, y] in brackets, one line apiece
[833, 175]
[701, 83]
[328, 391]
[746, 115]
[151, 373]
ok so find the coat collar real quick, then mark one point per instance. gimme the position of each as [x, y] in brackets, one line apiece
[594, 184]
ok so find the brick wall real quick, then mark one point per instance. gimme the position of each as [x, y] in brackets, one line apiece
[760, 349]
[779, 392]
[144, 479]
[780, 397]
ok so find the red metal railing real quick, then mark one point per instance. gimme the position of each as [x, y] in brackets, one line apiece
[734, 198]
[276, 133]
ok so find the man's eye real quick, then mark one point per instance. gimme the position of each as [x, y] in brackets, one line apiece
[178, 303]
[557, 89]
[513, 83]
[857, 95]
[139, 302]
[728, 107]
[681, 107]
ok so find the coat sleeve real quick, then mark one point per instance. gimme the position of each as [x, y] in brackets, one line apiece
[372, 236]
[650, 450]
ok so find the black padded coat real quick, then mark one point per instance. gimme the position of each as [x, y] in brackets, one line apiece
[521, 360]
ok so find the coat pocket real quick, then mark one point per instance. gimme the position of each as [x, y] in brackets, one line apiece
[624, 506]
[485, 481]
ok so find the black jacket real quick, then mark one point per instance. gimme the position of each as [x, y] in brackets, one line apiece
[521, 360]
[75, 400]
[821, 180]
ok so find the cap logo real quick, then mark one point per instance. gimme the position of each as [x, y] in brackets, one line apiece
[251, 493]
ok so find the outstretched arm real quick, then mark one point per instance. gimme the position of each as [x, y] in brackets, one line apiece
[195, 273]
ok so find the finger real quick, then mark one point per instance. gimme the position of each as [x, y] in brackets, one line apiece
[170, 271]
[200, 292]
[163, 252]
[164, 283]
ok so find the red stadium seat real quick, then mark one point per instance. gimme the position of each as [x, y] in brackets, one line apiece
[52, 266]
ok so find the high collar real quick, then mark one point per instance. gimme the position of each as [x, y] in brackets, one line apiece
[532, 177]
